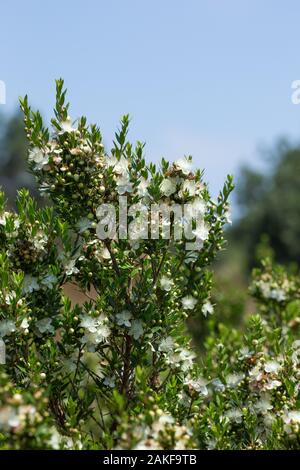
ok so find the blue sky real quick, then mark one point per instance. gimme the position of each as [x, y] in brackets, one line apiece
[211, 78]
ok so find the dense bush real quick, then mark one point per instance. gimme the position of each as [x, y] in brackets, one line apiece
[118, 370]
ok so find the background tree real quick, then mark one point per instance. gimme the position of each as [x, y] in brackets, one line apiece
[13, 150]
[270, 206]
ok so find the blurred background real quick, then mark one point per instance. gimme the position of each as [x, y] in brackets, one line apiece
[202, 77]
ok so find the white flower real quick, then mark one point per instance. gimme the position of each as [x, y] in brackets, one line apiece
[123, 318]
[3, 217]
[124, 185]
[180, 359]
[136, 329]
[54, 147]
[7, 327]
[188, 302]
[24, 324]
[97, 329]
[40, 241]
[9, 298]
[272, 366]
[272, 384]
[269, 292]
[70, 267]
[166, 283]
[227, 217]
[201, 232]
[166, 419]
[142, 187]
[66, 126]
[189, 187]
[199, 385]
[184, 165]
[263, 405]
[265, 288]
[195, 210]
[120, 166]
[198, 207]
[100, 336]
[187, 357]
[233, 380]
[55, 440]
[89, 323]
[255, 373]
[168, 186]
[291, 418]
[166, 345]
[235, 415]
[30, 284]
[138, 228]
[102, 333]
[207, 308]
[245, 353]
[105, 254]
[277, 294]
[38, 157]
[45, 325]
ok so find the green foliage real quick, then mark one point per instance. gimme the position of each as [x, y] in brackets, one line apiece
[252, 380]
[117, 370]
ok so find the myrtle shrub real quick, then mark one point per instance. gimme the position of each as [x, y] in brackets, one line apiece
[251, 379]
[117, 370]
